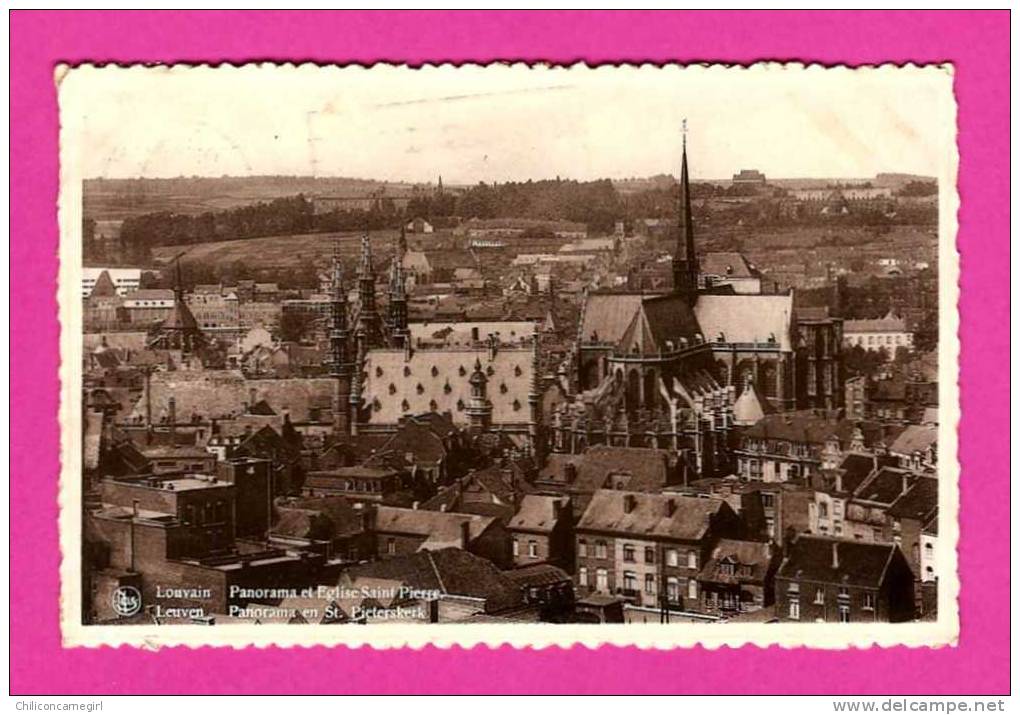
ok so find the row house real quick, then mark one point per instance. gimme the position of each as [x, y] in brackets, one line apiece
[542, 531]
[649, 548]
[837, 581]
[792, 446]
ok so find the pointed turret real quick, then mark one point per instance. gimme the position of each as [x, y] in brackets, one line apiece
[397, 309]
[685, 257]
[479, 408]
[369, 326]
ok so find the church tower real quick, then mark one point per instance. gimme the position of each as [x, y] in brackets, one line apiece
[339, 366]
[397, 309]
[685, 257]
[369, 326]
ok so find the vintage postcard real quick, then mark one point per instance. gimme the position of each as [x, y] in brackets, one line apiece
[509, 354]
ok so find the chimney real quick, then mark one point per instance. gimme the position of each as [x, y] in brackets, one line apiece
[251, 398]
[835, 555]
[415, 504]
[465, 534]
[629, 503]
[172, 410]
[670, 507]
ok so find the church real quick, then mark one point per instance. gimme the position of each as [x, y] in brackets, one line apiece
[678, 369]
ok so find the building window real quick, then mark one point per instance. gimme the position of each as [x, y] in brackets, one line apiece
[692, 589]
[600, 549]
[869, 602]
[582, 577]
[650, 584]
[794, 611]
[582, 548]
[770, 526]
[768, 501]
[844, 614]
[532, 549]
[628, 553]
[601, 580]
[844, 592]
[517, 548]
[823, 510]
[629, 581]
[672, 589]
[692, 559]
[672, 557]
[649, 555]
[391, 546]
[820, 596]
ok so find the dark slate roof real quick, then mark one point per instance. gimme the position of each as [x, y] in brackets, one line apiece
[920, 502]
[816, 426]
[658, 321]
[318, 518]
[650, 515]
[859, 564]
[856, 468]
[449, 571]
[885, 486]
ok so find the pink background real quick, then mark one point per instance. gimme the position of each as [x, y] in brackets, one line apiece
[978, 43]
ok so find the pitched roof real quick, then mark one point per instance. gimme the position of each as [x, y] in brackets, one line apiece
[441, 529]
[661, 324]
[318, 518]
[450, 571]
[637, 468]
[539, 512]
[885, 485]
[441, 376]
[920, 502]
[606, 316]
[103, 287]
[538, 575]
[857, 563]
[915, 438]
[650, 514]
[746, 318]
[815, 427]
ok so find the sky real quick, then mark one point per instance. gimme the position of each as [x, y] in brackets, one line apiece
[503, 123]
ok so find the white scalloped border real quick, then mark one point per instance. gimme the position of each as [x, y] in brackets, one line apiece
[940, 633]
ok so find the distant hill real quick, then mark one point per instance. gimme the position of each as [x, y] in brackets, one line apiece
[107, 199]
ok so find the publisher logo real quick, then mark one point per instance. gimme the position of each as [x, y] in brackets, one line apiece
[127, 601]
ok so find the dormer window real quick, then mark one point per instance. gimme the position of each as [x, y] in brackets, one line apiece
[503, 388]
[490, 371]
[517, 405]
[405, 406]
[392, 389]
[461, 371]
[433, 406]
[517, 370]
[407, 371]
[420, 389]
[460, 405]
[435, 371]
[447, 389]
[378, 372]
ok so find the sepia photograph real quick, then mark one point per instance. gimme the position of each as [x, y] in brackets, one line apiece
[509, 353]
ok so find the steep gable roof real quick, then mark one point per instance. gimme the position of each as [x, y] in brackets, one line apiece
[746, 318]
[815, 558]
[663, 515]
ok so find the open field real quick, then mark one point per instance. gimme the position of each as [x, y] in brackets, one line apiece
[282, 252]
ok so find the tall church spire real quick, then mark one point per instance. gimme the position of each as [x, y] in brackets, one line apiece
[685, 257]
